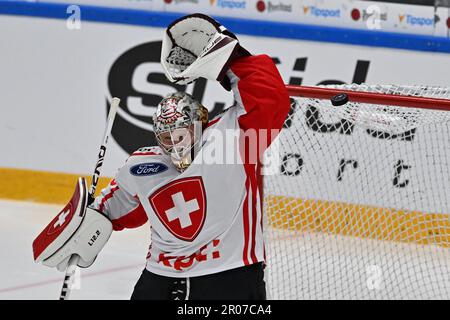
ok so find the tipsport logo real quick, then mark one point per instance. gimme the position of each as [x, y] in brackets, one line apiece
[229, 4]
[322, 12]
[416, 21]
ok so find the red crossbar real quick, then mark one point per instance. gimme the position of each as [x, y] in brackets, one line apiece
[370, 97]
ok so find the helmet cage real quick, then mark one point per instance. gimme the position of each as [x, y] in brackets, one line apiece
[179, 116]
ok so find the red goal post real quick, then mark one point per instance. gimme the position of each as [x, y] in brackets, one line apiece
[370, 97]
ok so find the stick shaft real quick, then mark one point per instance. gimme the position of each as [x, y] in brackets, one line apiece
[101, 155]
[73, 261]
[68, 278]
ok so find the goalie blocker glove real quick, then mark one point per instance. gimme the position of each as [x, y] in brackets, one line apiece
[197, 46]
[77, 229]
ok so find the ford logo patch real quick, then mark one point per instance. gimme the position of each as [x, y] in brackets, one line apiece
[148, 169]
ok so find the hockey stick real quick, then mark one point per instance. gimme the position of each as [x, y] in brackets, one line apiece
[73, 261]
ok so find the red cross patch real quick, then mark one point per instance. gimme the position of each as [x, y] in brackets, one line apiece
[181, 207]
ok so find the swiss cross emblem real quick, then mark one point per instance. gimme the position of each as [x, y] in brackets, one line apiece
[61, 219]
[181, 207]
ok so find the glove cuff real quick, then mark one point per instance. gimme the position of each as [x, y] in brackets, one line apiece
[237, 53]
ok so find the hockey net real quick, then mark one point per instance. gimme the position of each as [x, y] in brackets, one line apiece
[358, 207]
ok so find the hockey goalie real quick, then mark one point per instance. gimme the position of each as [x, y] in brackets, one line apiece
[206, 218]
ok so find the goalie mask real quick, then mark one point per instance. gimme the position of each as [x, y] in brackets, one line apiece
[178, 122]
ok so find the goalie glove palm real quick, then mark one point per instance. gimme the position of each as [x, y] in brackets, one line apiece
[197, 46]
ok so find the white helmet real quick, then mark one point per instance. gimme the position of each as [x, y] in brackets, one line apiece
[177, 122]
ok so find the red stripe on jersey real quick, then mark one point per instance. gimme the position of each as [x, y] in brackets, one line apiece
[251, 173]
[213, 122]
[246, 224]
[260, 180]
[254, 219]
[133, 219]
[108, 196]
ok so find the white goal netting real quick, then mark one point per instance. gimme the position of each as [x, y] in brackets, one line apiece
[359, 206]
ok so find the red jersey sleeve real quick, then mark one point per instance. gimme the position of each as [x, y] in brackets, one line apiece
[260, 91]
[259, 88]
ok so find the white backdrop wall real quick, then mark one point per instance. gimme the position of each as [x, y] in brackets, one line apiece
[54, 84]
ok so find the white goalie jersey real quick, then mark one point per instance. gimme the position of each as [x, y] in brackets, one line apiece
[208, 218]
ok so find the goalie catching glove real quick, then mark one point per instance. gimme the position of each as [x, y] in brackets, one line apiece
[77, 229]
[197, 46]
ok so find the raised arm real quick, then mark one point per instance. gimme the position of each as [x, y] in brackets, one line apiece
[259, 89]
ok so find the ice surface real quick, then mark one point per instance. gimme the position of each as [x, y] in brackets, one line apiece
[112, 276]
[320, 266]
[310, 266]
